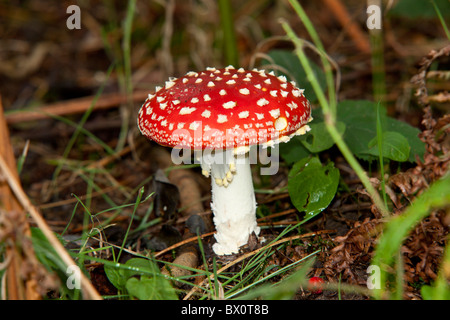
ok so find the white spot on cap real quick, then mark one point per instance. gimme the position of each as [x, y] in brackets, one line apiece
[267, 81]
[160, 99]
[222, 92]
[281, 123]
[262, 102]
[206, 114]
[218, 79]
[282, 78]
[162, 106]
[210, 69]
[258, 86]
[297, 92]
[175, 102]
[284, 93]
[164, 123]
[150, 96]
[292, 105]
[185, 80]
[275, 113]
[211, 84]
[230, 82]
[187, 110]
[243, 114]
[180, 125]
[273, 93]
[194, 100]
[244, 91]
[206, 97]
[229, 105]
[221, 118]
[194, 125]
[260, 116]
[198, 80]
[169, 84]
[241, 70]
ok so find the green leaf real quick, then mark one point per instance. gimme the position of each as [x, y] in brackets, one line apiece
[152, 285]
[414, 9]
[312, 186]
[151, 288]
[289, 61]
[360, 119]
[318, 139]
[394, 146]
[293, 151]
[411, 134]
[142, 279]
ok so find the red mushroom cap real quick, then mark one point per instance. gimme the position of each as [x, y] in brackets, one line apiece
[224, 108]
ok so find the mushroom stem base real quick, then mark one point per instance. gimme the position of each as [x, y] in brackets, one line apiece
[234, 208]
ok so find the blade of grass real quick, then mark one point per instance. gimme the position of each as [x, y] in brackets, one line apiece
[441, 19]
[22, 157]
[138, 201]
[291, 284]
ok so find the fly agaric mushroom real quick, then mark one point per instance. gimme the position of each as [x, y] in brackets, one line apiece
[221, 113]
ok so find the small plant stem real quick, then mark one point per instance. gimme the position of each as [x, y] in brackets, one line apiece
[377, 60]
[380, 155]
[330, 120]
[127, 83]
[326, 64]
[229, 37]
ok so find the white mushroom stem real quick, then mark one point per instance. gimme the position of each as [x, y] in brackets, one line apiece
[233, 201]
